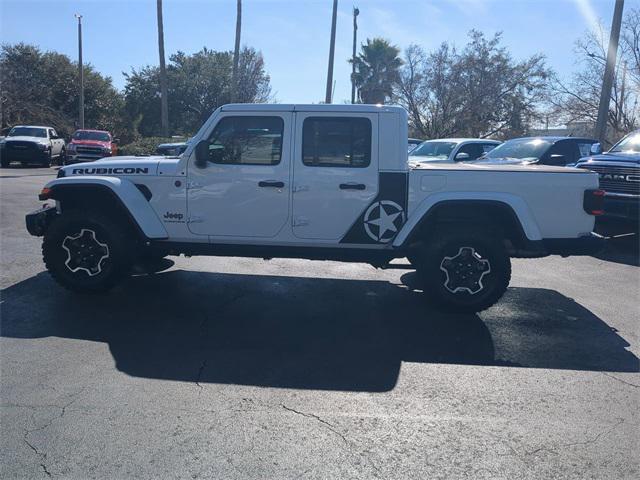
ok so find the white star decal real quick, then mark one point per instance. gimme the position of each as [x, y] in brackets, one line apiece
[386, 221]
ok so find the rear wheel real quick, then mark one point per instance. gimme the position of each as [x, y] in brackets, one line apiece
[465, 270]
[86, 251]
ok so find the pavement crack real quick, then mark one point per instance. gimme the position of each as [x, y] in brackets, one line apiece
[328, 425]
[202, 330]
[620, 380]
[42, 455]
[596, 438]
[203, 365]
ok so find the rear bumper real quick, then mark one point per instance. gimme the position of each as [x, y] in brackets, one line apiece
[38, 220]
[587, 245]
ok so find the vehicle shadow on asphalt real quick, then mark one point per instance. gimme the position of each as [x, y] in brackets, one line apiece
[309, 333]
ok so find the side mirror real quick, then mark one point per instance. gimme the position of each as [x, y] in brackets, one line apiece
[596, 149]
[462, 156]
[202, 154]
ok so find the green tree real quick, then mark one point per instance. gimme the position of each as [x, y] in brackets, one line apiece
[197, 85]
[377, 71]
[42, 88]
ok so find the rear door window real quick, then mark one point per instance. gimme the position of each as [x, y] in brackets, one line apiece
[336, 142]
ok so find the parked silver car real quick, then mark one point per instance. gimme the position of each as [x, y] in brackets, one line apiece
[452, 149]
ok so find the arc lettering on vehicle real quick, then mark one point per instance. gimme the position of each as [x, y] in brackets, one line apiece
[111, 171]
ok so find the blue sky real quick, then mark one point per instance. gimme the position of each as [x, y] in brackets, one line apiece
[293, 35]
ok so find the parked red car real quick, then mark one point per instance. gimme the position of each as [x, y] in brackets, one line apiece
[90, 145]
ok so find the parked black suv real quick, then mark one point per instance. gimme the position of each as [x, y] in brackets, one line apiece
[619, 171]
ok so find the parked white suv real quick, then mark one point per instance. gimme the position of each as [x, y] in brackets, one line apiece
[29, 144]
[322, 182]
[452, 150]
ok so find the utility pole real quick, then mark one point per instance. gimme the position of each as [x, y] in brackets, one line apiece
[236, 52]
[80, 74]
[609, 70]
[332, 48]
[164, 105]
[356, 12]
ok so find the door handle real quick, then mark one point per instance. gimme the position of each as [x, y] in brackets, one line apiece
[352, 186]
[271, 183]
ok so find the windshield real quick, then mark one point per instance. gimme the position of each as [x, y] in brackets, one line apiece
[433, 150]
[630, 144]
[85, 135]
[520, 148]
[28, 132]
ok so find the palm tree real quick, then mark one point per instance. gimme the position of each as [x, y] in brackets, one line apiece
[377, 70]
[164, 105]
[236, 52]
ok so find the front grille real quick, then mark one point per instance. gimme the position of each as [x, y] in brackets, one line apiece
[20, 145]
[91, 150]
[617, 179]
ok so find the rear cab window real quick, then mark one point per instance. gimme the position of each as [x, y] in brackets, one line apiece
[336, 142]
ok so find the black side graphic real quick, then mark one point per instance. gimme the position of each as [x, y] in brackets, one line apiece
[387, 213]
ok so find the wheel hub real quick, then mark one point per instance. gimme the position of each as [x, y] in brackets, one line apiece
[85, 252]
[465, 271]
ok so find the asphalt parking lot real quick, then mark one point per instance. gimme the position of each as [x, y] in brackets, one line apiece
[242, 368]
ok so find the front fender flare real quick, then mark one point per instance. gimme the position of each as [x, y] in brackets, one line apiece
[123, 191]
[514, 202]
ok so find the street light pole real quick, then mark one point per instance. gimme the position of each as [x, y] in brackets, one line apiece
[609, 71]
[80, 73]
[356, 12]
[331, 52]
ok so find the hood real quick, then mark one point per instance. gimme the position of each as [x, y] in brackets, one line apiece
[26, 139]
[503, 161]
[425, 159]
[622, 157]
[115, 166]
[93, 143]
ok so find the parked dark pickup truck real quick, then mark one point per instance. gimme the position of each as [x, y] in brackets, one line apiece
[619, 171]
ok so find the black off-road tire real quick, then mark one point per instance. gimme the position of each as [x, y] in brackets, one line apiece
[479, 264]
[62, 157]
[108, 271]
[46, 163]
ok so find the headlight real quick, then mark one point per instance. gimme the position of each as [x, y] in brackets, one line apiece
[71, 147]
[42, 146]
[106, 149]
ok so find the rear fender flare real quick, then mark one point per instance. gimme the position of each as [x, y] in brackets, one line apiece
[517, 205]
[124, 191]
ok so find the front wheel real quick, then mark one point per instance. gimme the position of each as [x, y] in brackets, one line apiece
[62, 158]
[47, 159]
[86, 251]
[465, 270]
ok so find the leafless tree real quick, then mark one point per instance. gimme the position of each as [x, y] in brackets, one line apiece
[576, 100]
[480, 91]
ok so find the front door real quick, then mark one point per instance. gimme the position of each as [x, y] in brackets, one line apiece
[335, 172]
[243, 191]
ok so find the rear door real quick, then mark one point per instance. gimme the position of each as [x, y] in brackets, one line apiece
[335, 172]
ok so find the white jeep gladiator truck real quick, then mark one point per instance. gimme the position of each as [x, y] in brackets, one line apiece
[322, 182]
